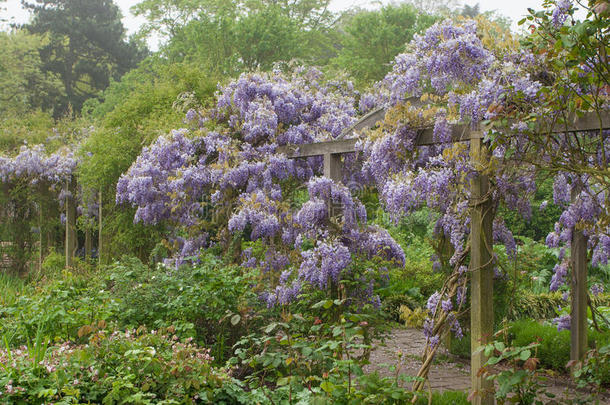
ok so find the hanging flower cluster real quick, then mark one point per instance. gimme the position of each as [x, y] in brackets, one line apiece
[35, 165]
[227, 173]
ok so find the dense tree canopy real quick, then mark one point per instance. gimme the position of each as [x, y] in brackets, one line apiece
[373, 38]
[86, 46]
[24, 84]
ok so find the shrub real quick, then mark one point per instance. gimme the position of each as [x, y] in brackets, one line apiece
[59, 307]
[413, 318]
[113, 367]
[594, 372]
[460, 347]
[208, 302]
[554, 348]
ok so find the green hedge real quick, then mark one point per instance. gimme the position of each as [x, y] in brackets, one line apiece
[554, 349]
[527, 305]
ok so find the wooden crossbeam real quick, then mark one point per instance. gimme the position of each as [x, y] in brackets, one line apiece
[460, 133]
[425, 137]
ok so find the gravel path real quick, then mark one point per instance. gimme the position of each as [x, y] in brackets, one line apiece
[448, 372]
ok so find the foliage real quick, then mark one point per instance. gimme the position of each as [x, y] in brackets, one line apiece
[24, 83]
[86, 46]
[146, 103]
[594, 371]
[413, 318]
[544, 215]
[231, 37]
[225, 180]
[58, 309]
[554, 346]
[318, 355]
[520, 382]
[209, 302]
[135, 366]
[10, 289]
[373, 38]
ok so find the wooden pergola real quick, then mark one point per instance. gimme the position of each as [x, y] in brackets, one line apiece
[481, 266]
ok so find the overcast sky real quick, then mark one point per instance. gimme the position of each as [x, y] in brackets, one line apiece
[514, 9]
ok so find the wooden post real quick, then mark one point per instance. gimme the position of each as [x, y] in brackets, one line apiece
[481, 285]
[578, 321]
[332, 166]
[332, 170]
[88, 243]
[99, 235]
[70, 225]
[40, 254]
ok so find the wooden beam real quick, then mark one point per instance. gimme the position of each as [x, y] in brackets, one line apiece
[332, 170]
[71, 242]
[578, 320]
[319, 148]
[99, 230]
[460, 133]
[587, 122]
[481, 268]
[367, 121]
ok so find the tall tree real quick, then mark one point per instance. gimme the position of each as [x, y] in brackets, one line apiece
[267, 36]
[24, 85]
[373, 38]
[87, 45]
[434, 6]
[229, 36]
[471, 11]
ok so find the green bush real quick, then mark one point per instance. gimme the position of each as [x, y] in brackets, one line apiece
[58, 309]
[135, 367]
[54, 263]
[209, 301]
[554, 349]
[460, 347]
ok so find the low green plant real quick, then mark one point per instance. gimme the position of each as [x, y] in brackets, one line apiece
[317, 356]
[519, 383]
[413, 318]
[11, 288]
[62, 307]
[460, 347]
[53, 264]
[131, 367]
[554, 345]
[210, 302]
[594, 371]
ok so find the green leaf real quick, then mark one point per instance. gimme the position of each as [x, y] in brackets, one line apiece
[235, 319]
[525, 355]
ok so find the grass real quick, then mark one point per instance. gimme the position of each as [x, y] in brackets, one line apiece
[10, 289]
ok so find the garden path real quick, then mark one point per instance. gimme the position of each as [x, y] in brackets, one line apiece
[448, 372]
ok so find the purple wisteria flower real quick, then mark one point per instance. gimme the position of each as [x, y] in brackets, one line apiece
[562, 322]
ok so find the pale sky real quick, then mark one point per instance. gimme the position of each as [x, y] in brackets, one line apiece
[514, 9]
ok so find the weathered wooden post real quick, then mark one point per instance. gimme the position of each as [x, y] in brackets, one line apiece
[578, 320]
[332, 170]
[70, 205]
[481, 268]
[99, 235]
[88, 243]
[40, 251]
